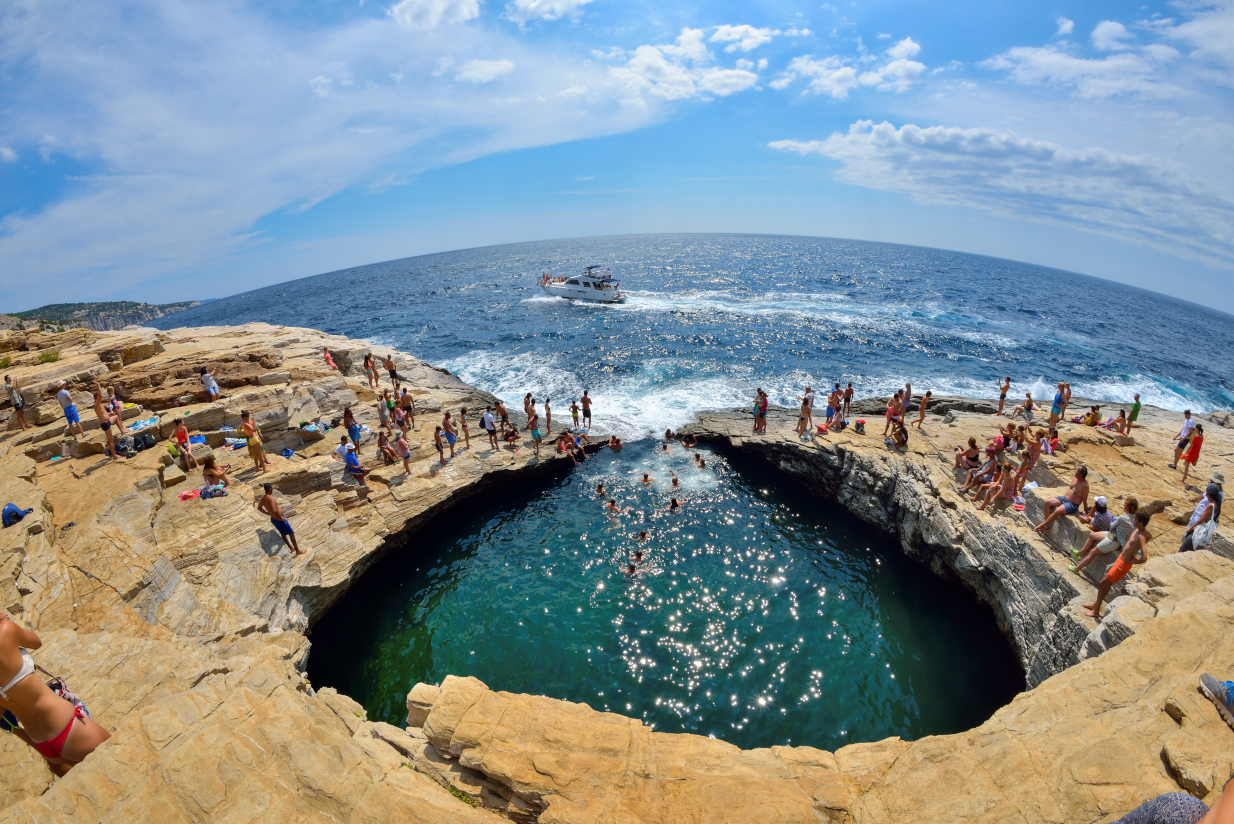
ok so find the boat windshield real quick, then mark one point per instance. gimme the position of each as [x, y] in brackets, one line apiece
[572, 283]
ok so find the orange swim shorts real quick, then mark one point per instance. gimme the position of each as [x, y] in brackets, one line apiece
[1118, 570]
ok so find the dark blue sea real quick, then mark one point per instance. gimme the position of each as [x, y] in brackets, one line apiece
[711, 317]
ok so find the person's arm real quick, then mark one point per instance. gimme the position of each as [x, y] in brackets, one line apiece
[21, 636]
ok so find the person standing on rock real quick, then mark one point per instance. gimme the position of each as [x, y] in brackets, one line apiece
[370, 371]
[353, 428]
[206, 376]
[1075, 499]
[1066, 396]
[1192, 456]
[1056, 408]
[15, 398]
[252, 436]
[70, 410]
[408, 403]
[503, 415]
[271, 508]
[392, 369]
[803, 418]
[111, 406]
[329, 360]
[921, 408]
[403, 447]
[104, 421]
[586, 402]
[61, 731]
[1184, 437]
[807, 406]
[1135, 413]
[490, 426]
[462, 422]
[1135, 552]
[447, 431]
[548, 415]
[1003, 389]
[848, 400]
[384, 405]
[533, 425]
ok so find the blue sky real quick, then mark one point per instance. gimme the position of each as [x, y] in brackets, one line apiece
[166, 150]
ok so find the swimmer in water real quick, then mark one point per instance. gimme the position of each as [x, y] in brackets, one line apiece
[613, 509]
[673, 506]
[630, 569]
[647, 479]
[676, 482]
[638, 556]
[699, 462]
[600, 490]
[642, 535]
[664, 448]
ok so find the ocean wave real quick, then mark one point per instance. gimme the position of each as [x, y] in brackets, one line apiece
[655, 397]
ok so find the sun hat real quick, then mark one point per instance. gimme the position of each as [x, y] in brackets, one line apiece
[1218, 477]
[351, 447]
[1101, 500]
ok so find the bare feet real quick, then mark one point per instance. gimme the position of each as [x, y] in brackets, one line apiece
[1090, 611]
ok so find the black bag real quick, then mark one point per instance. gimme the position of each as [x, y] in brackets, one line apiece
[147, 438]
[125, 445]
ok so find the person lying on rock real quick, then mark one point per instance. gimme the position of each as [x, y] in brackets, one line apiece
[1135, 552]
[63, 732]
[1075, 499]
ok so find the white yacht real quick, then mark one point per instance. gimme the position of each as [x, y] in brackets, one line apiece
[588, 286]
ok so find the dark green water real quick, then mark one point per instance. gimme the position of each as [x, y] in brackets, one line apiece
[760, 614]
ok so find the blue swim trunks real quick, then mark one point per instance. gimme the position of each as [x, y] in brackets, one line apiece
[450, 438]
[283, 527]
[1068, 506]
[70, 414]
[535, 435]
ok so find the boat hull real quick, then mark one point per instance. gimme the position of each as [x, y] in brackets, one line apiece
[583, 293]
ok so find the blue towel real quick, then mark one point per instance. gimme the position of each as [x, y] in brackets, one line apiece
[197, 438]
[287, 453]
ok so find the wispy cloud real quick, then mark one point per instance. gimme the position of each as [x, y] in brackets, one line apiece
[1065, 27]
[746, 38]
[1137, 73]
[483, 71]
[428, 14]
[525, 11]
[1137, 198]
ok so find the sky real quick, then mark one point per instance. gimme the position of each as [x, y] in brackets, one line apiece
[164, 150]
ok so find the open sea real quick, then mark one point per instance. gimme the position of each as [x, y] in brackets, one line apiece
[711, 317]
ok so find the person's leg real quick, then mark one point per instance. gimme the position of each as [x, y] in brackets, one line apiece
[1188, 544]
[1093, 610]
[1178, 451]
[1186, 469]
[467, 437]
[295, 545]
[407, 465]
[119, 423]
[111, 444]
[1053, 508]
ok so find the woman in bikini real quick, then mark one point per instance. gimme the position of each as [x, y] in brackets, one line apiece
[252, 436]
[62, 732]
[462, 422]
[214, 474]
[548, 415]
[370, 371]
[966, 458]
[803, 418]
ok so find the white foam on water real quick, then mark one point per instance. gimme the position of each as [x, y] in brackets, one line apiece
[645, 404]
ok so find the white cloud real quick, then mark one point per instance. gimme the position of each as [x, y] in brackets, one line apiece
[7, 154]
[524, 11]
[483, 71]
[1210, 32]
[796, 32]
[830, 76]
[192, 160]
[1065, 27]
[904, 48]
[746, 38]
[834, 76]
[1126, 73]
[678, 71]
[428, 14]
[1136, 198]
[1109, 36]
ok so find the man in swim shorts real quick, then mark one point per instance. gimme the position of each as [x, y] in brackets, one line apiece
[1135, 552]
[1002, 394]
[70, 410]
[848, 400]
[447, 431]
[268, 506]
[486, 421]
[104, 421]
[1184, 437]
[392, 368]
[586, 402]
[1070, 503]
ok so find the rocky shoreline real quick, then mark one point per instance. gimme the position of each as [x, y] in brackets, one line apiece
[183, 623]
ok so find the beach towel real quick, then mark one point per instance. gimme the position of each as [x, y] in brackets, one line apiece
[287, 453]
[189, 494]
[197, 438]
[137, 426]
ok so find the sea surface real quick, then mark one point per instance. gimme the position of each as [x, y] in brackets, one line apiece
[758, 614]
[711, 317]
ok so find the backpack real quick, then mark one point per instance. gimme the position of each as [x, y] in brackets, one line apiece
[147, 438]
[124, 446]
[860, 427]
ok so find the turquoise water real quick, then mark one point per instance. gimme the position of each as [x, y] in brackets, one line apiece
[759, 614]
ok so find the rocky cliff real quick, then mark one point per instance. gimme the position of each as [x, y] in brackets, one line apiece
[101, 317]
[182, 623]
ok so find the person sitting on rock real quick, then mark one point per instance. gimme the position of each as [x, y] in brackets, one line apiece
[386, 449]
[61, 731]
[1105, 541]
[354, 467]
[213, 474]
[1070, 503]
[967, 457]
[211, 385]
[1135, 552]
[982, 475]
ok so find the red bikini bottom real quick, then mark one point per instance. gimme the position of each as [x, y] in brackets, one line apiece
[52, 749]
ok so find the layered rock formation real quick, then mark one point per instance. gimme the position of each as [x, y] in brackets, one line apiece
[182, 623]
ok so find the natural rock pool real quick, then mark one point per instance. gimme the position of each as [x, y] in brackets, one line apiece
[759, 614]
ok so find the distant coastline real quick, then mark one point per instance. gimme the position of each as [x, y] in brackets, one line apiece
[101, 317]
